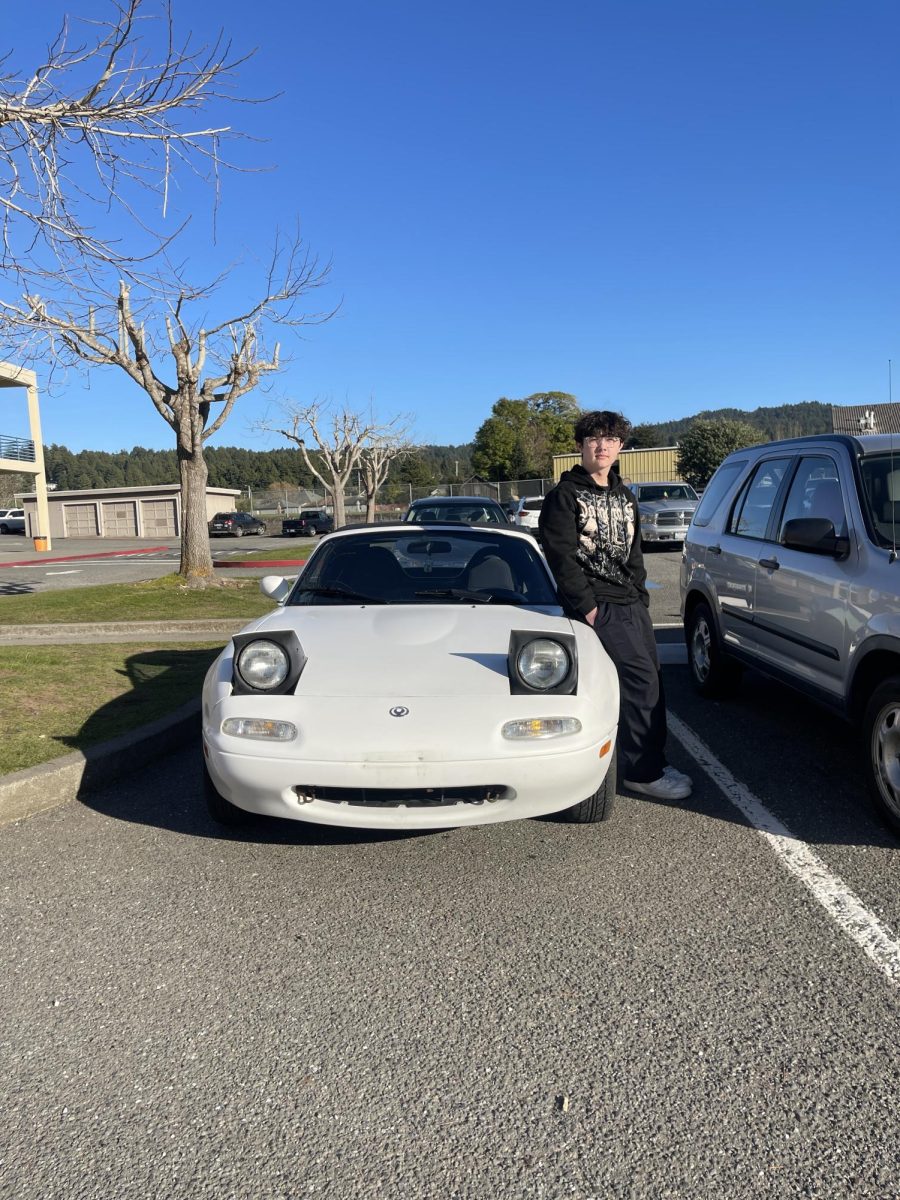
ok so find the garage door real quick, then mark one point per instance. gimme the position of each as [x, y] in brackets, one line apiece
[81, 520]
[158, 518]
[119, 518]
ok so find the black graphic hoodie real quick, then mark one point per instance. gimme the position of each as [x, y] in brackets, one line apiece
[591, 536]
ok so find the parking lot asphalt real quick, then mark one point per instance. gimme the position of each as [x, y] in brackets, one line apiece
[50, 784]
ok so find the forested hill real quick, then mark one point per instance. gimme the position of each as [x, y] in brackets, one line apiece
[778, 421]
[231, 467]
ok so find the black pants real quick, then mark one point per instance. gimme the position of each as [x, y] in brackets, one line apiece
[626, 634]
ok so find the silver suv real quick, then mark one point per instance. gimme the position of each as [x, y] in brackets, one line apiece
[791, 565]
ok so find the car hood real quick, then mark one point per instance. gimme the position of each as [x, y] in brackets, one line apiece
[659, 506]
[408, 650]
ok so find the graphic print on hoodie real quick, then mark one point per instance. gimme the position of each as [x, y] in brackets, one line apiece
[605, 533]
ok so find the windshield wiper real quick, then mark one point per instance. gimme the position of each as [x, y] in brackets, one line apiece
[343, 594]
[505, 597]
[455, 594]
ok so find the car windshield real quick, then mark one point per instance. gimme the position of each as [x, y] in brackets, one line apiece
[398, 567]
[666, 491]
[466, 514]
[533, 505]
[224, 516]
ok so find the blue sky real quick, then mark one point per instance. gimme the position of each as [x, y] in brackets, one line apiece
[660, 207]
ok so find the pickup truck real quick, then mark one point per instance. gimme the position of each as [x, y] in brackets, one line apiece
[308, 523]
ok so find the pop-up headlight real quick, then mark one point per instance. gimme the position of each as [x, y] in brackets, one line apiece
[267, 663]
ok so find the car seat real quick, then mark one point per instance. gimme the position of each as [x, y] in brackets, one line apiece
[488, 571]
[372, 572]
[890, 510]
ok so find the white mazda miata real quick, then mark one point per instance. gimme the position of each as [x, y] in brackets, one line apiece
[413, 679]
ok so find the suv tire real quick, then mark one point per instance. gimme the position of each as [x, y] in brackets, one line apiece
[713, 673]
[881, 749]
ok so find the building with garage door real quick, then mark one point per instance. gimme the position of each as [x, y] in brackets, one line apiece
[122, 512]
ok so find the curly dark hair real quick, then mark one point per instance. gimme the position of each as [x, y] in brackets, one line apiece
[602, 424]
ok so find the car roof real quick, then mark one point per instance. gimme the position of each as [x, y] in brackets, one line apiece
[871, 443]
[410, 529]
[432, 501]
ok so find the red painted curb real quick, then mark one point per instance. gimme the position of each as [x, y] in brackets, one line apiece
[31, 562]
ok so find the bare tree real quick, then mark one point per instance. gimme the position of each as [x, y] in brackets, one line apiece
[342, 441]
[96, 127]
[212, 365]
[375, 463]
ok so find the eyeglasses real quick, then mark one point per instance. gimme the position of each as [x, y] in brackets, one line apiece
[603, 441]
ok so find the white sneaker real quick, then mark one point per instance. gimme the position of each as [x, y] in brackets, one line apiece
[672, 773]
[671, 785]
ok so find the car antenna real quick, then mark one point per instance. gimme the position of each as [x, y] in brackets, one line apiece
[892, 557]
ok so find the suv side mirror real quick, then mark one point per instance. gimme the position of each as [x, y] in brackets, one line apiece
[815, 535]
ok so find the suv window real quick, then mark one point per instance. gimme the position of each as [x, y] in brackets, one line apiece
[750, 517]
[716, 489]
[816, 492]
[881, 494]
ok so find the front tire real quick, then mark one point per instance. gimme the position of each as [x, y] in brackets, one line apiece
[596, 807]
[881, 749]
[222, 811]
[713, 673]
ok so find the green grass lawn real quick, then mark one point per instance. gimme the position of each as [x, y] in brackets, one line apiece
[164, 599]
[56, 699]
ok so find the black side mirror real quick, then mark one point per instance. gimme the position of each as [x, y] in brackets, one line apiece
[815, 535]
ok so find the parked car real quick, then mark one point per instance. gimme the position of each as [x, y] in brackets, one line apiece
[235, 524]
[413, 679]
[666, 510]
[12, 520]
[308, 523]
[527, 512]
[790, 565]
[469, 510]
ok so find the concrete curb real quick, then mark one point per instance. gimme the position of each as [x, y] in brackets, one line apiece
[36, 789]
[126, 631]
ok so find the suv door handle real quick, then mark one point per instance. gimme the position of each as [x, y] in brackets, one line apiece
[771, 564]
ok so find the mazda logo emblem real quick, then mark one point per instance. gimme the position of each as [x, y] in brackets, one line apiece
[399, 711]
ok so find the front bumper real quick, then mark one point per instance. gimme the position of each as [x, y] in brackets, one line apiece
[664, 533]
[535, 784]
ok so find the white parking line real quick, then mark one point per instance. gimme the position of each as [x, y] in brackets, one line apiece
[75, 572]
[842, 905]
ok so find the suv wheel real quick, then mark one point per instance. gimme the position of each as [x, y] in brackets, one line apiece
[881, 746]
[713, 673]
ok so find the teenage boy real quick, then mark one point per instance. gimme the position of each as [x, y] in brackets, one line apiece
[590, 531]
